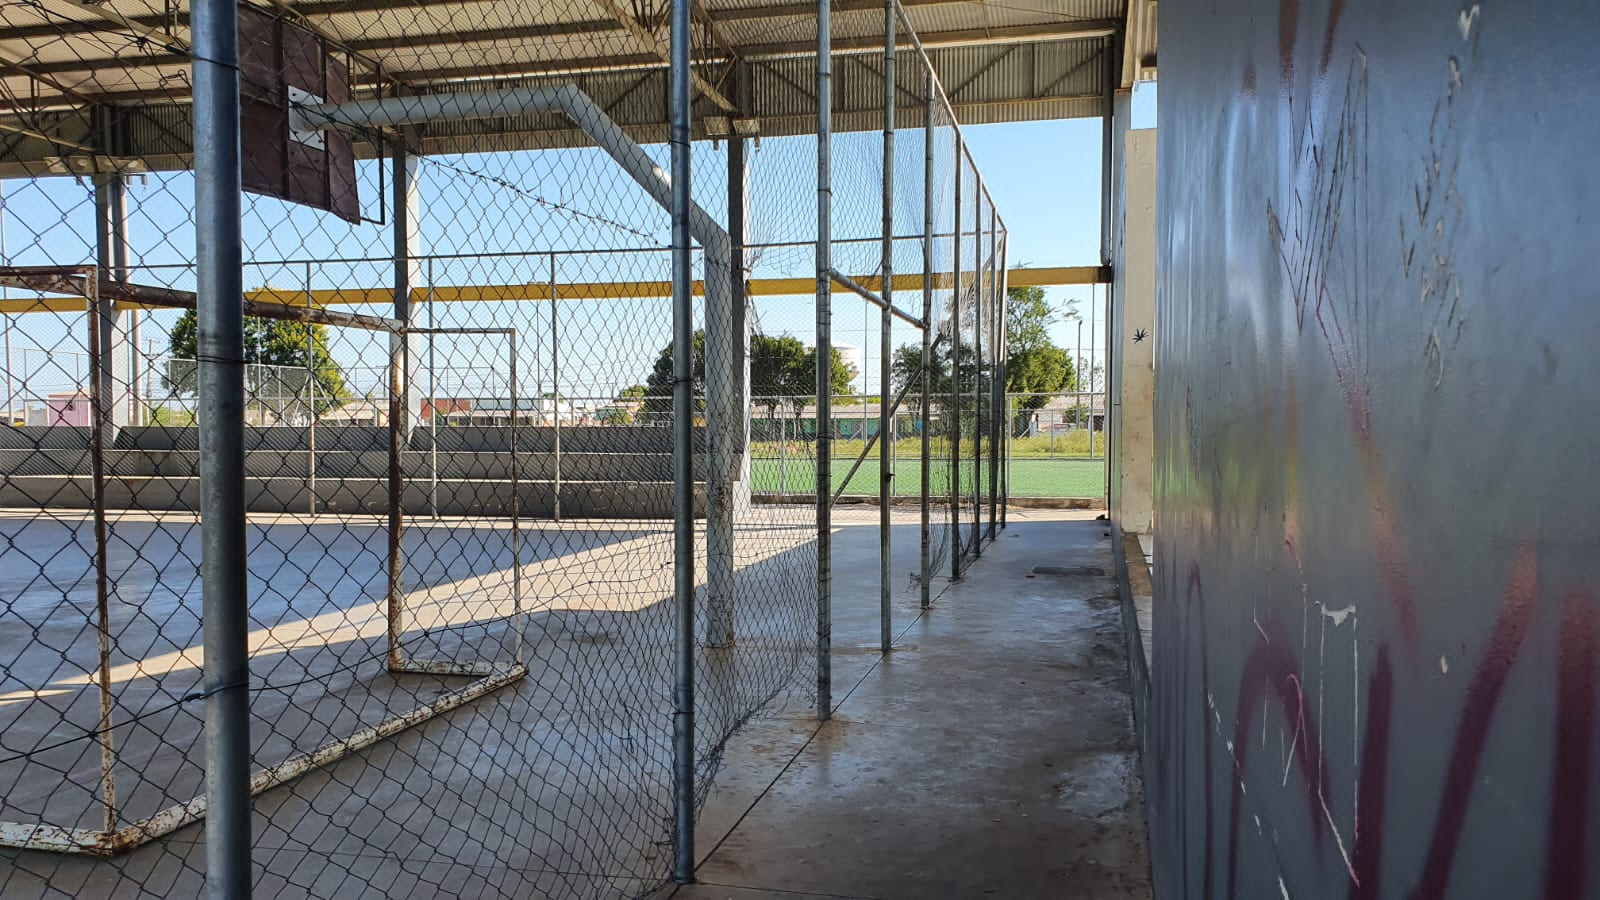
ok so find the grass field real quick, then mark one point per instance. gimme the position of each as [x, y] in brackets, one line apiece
[1029, 477]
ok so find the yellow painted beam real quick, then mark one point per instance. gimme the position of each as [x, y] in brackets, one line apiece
[1058, 275]
[593, 290]
[43, 304]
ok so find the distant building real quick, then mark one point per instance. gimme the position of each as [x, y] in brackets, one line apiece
[499, 411]
[356, 412]
[67, 410]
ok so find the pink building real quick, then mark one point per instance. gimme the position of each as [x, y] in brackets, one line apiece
[71, 410]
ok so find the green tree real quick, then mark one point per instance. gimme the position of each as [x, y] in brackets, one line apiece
[1035, 366]
[277, 353]
[658, 385]
[779, 366]
[621, 410]
[840, 377]
[906, 364]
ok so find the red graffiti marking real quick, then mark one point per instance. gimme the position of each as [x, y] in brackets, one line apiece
[1288, 26]
[1574, 746]
[1374, 776]
[1271, 668]
[1483, 695]
[1335, 10]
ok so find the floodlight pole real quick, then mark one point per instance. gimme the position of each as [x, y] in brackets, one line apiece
[220, 319]
[682, 455]
[824, 358]
[885, 334]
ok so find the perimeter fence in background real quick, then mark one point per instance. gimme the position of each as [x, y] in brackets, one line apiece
[416, 551]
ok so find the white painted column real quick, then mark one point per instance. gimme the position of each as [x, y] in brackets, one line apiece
[1133, 328]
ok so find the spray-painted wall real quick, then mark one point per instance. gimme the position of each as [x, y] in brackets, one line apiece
[1377, 626]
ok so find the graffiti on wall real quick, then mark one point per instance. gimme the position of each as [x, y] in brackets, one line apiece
[1215, 810]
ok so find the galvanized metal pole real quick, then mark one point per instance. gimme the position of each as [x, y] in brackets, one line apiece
[220, 326]
[311, 406]
[885, 337]
[11, 395]
[955, 376]
[517, 620]
[399, 388]
[1093, 301]
[1110, 158]
[1077, 388]
[433, 408]
[824, 357]
[682, 456]
[926, 476]
[997, 383]
[555, 385]
[5, 294]
[1008, 428]
[100, 420]
[979, 321]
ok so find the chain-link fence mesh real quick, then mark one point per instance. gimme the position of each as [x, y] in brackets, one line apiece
[458, 446]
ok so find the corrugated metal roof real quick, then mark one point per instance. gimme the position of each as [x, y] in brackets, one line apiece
[999, 61]
[1139, 49]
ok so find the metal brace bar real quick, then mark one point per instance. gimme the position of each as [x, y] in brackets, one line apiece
[855, 287]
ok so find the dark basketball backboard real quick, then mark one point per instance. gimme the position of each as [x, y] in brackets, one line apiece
[282, 63]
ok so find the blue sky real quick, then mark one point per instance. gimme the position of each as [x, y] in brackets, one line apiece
[1045, 178]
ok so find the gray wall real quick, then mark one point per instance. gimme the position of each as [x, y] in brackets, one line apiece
[1376, 629]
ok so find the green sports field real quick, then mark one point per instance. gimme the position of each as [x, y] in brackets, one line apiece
[1029, 477]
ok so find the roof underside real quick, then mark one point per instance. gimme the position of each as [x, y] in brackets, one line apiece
[86, 86]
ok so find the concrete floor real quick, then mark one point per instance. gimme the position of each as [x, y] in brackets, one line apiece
[991, 755]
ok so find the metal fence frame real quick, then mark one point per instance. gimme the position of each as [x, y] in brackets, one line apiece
[85, 284]
[221, 304]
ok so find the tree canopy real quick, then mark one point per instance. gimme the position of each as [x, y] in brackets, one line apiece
[780, 366]
[289, 348]
[1035, 366]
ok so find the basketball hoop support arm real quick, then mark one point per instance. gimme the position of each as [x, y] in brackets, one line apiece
[723, 418]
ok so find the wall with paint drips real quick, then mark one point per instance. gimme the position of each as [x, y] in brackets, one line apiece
[1377, 586]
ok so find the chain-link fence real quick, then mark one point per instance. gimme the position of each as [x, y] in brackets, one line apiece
[381, 516]
[1058, 445]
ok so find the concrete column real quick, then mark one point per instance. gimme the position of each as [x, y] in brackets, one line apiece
[407, 274]
[738, 237]
[117, 340]
[1132, 387]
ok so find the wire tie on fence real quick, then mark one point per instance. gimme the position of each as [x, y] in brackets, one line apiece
[200, 358]
[201, 695]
